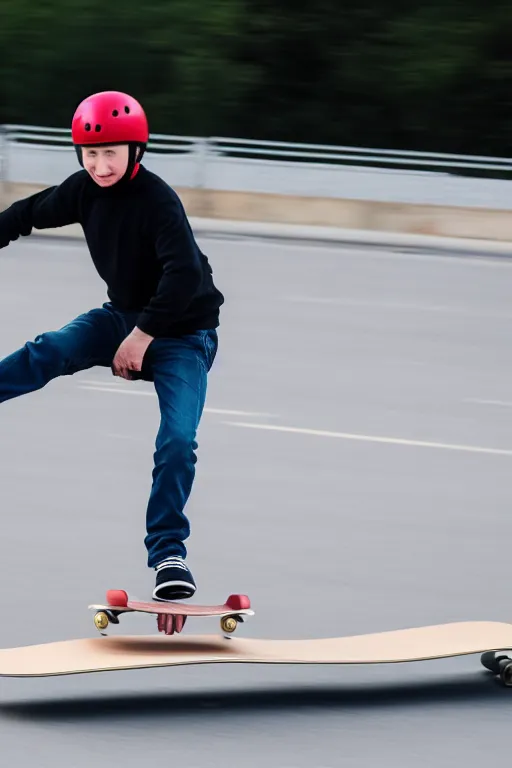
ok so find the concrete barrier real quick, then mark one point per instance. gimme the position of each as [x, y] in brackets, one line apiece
[338, 215]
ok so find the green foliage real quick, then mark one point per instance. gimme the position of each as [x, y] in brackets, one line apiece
[431, 76]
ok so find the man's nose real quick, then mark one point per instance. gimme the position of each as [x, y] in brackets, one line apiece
[101, 167]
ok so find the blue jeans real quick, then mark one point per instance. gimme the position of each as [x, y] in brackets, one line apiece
[177, 366]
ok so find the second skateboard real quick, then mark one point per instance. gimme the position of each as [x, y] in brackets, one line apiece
[171, 617]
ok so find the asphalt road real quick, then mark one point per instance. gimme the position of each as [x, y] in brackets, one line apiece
[354, 476]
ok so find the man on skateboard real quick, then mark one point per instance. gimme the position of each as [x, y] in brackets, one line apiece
[161, 318]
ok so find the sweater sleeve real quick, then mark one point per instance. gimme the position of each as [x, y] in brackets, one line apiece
[179, 256]
[53, 207]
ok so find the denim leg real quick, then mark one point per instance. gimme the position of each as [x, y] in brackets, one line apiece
[88, 340]
[179, 367]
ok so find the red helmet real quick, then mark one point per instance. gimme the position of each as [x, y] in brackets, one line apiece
[109, 117]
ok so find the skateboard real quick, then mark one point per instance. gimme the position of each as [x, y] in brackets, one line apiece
[106, 654]
[171, 617]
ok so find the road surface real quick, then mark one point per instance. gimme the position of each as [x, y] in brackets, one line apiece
[354, 475]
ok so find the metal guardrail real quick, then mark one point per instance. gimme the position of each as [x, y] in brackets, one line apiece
[37, 155]
[60, 138]
[364, 156]
[285, 152]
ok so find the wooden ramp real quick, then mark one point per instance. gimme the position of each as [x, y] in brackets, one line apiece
[103, 654]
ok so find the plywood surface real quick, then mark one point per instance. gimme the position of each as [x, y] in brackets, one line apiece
[132, 652]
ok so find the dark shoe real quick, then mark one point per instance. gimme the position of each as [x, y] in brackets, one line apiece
[174, 580]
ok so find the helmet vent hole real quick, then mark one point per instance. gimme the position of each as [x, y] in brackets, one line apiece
[98, 128]
[87, 126]
[127, 110]
[115, 113]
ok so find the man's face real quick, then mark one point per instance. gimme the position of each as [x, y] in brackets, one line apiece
[106, 164]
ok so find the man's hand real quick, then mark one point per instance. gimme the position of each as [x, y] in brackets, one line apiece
[130, 354]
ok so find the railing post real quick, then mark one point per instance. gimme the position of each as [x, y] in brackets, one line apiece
[3, 167]
[201, 152]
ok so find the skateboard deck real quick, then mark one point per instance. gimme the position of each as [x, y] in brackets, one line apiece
[102, 654]
[171, 617]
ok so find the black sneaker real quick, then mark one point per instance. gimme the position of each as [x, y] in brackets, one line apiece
[174, 580]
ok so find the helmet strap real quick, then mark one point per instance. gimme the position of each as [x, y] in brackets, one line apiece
[78, 150]
[133, 161]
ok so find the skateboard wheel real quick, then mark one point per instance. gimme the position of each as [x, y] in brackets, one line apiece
[100, 620]
[506, 672]
[228, 624]
[491, 662]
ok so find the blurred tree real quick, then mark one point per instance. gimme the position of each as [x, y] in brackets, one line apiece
[431, 76]
[176, 57]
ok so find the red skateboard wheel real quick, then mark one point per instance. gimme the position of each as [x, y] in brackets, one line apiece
[117, 597]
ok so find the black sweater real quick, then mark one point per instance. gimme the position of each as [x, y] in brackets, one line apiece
[141, 244]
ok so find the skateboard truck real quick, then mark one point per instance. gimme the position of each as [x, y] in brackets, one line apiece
[171, 616]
